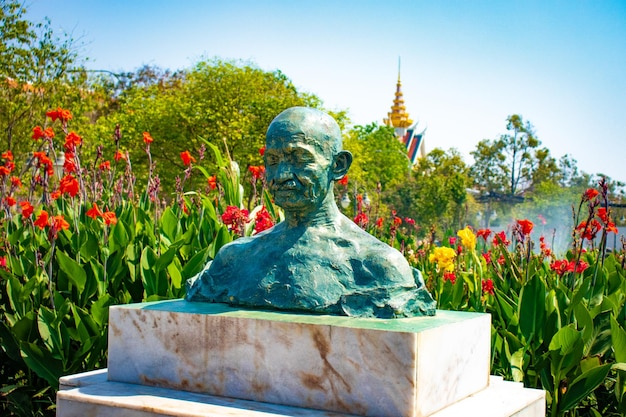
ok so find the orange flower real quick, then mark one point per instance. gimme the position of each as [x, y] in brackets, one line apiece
[4, 171]
[147, 138]
[8, 155]
[27, 209]
[16, 182]
[379, 222]
[61, 114]
[257, 171]
[69, 165]
[343, 181]
[42, 220]
[94, 212]
[603, 215]
[55, 194]
[59, 223]
[119, 155]
[72, 140]
[212, 180]
[526, 226]
[10, 201]
[590, 194]
[39, 133]
[69, 185]
[109, 217]
[105, 166]
[187, 158]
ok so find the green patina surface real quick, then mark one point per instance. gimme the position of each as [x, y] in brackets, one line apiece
[409, 325]
[316, 260]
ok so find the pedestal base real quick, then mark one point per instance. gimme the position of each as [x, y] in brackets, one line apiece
[91, 394]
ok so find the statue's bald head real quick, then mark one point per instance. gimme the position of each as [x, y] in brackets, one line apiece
[316, 127]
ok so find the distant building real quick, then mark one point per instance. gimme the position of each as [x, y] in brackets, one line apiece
[409, 133]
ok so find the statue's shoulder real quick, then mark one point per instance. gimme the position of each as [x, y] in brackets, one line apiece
[242, 248]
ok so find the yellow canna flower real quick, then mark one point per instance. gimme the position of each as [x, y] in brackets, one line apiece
[468, 238]
[444, 258]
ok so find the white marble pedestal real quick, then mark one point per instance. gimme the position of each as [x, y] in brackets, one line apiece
[192, 359]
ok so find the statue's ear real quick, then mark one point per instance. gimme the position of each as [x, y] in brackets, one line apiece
[341, 164]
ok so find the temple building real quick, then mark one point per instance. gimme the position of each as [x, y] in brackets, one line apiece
[409, 133]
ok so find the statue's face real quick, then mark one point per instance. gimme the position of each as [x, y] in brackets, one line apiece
[298, 169]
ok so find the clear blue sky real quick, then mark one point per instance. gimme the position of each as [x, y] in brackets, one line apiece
[466, 65]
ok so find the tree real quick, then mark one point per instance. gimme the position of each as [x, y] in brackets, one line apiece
[38, 71]
[436, 194]
[227, 103]
[505, 168]
[379, 157]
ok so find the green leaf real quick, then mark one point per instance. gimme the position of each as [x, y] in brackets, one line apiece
[517, 365]
[74, 271]
[100, 309]
[42, 363]
[585, 322]
[582, 386]
[170, 224]
[532, 309]
[618, 338]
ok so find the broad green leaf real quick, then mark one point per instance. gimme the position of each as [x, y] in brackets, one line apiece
[100, 309]
[532, 309]
[74, 271]
[42, 363]
[582, 386]
[517, 365]
[585, 323]
[618, 338]
[170, 224]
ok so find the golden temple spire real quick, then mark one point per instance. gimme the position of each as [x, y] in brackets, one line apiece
[398, 116]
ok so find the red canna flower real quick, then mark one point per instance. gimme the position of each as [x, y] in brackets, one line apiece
[488, 287]
[397, 221]
[590, 194]
[27, 209]
[262, 221]
[147, 138]
[500, 238]
[409, 221]
[526, 226]
[257, 171]
[61, 114]
[578, 267]
[69, 185]
[589, 231]
[379, 222]
[10, 165]
[484, 233]
[105, 166]
[187, 158]
[603, 215]
[16, 182]
[449, 276]
[501, 260]
[72, 140]
[559, 266]
[487, 256]
[94, 212]
[3, 262]
[119, 155]
[262, 150]
[59, 223]
[361, 219]
[4, 171]
[42, 220]
[39, 133]
[235, 219]
[212, 180]
[10, 201]
[55, 194]
[8, 155]
[343, 181]
[452, 240]
[109, 218]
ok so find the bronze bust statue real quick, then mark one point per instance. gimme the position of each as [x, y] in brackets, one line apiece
[316, 260]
